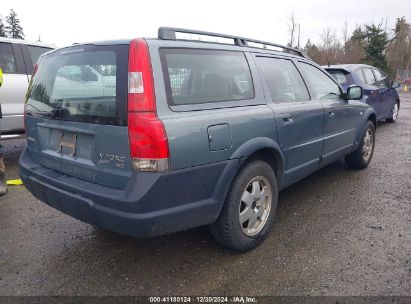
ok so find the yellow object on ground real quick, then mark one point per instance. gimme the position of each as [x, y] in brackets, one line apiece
[405, 88]
[14, 182]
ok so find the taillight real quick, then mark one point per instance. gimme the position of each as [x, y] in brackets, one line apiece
[35, 68]
[147, 136]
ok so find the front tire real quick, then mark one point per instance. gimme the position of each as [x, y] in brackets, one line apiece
[361, 157]
[395, 111]
[249, 209]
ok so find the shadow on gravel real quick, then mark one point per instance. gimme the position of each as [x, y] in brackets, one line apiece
[104, 259]
[198, 241]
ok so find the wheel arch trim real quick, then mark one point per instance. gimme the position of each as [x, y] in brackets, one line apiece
[263, 145]
[368, 115]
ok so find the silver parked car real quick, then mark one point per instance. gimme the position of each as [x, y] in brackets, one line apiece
[17, 60]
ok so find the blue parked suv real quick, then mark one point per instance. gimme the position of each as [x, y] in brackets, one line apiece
[379, 93]
[150, 136]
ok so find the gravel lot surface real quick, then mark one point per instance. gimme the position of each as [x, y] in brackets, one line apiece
[337, 232]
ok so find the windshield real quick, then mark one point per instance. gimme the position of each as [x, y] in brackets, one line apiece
[82, 83]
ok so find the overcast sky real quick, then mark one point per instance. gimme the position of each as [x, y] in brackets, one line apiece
[65, 22]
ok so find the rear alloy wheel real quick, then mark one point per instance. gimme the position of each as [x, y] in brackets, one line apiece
[361, 157]
[255, 205]
[395, 111]
[249, 209]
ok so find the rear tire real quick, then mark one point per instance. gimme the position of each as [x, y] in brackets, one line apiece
[249, 209]
[361, 157]
[395, 110]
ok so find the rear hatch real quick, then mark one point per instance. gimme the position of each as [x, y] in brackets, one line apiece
[76, 113]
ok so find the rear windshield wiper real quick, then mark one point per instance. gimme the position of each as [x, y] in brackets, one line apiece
[39, 113]
[54, 112]
[59, 112]
[36, 111]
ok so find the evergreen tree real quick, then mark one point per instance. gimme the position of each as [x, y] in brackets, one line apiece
[13, 28]
[313, 52]
[2, 29]
[376, 41]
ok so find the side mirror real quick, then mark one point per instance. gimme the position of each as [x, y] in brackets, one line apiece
[395, 84]
[354, 92]
[1, 77]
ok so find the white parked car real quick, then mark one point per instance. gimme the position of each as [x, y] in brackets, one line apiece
[17, 59]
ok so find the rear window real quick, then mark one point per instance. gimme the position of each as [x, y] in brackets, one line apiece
[205, 76]
[82, 83]
[339, 75]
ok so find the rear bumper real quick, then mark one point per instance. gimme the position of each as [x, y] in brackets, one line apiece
[151, 204]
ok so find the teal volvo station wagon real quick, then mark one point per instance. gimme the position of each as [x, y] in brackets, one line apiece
[151, 136]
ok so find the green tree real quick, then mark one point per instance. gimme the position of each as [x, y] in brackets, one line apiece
[2, 29]
[376, 41]
[13, 27]
[312, 51]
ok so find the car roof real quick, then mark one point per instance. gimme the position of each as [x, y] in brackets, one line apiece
[27, 42]
[346, 67]
[168, 36]
[188, 43]
[103, 42]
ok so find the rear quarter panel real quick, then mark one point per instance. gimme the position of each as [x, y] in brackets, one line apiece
[187, 130]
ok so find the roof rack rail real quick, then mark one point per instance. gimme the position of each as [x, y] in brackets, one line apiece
[169, 33]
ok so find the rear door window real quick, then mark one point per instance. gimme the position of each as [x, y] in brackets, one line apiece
[85, 83]
[7, 58]
[283, 80]
[360, 75]
[195, 76]
[369, 76]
